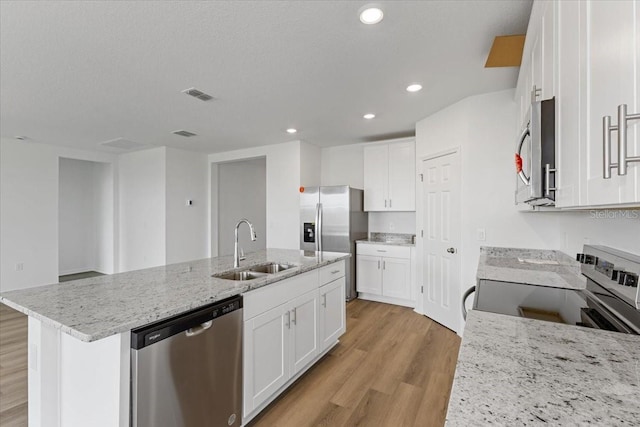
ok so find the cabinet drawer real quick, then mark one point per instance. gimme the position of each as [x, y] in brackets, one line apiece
[264, 299]
[331, 272]
[388, 251]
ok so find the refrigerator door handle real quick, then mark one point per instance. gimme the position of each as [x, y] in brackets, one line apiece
[319, 228]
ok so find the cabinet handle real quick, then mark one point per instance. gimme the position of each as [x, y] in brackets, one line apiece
[383, 265]
[385, 203]
[548, 170]
[288, 323]
[335, 272]
[380, 250]
[621, 127]
[390, 202]
[324, 300]
[293, 318]
[378, 264]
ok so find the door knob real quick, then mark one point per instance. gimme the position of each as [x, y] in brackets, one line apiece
[451, 250]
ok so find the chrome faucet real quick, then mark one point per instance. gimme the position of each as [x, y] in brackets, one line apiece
[236, 249]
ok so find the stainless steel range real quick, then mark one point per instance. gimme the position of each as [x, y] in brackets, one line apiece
[611, 300]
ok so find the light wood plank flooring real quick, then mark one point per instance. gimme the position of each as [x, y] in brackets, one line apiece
[392, 368]
[13, 368]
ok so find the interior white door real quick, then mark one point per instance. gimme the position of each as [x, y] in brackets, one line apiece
[441, 271]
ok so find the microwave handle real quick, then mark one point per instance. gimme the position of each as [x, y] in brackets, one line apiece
[524, 178]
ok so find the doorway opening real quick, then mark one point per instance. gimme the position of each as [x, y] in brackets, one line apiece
[238, 190]
[85, 219]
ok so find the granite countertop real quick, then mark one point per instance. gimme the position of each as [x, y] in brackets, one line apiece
[515, 371]
[95, 308]
[530, 266]
[392, 239]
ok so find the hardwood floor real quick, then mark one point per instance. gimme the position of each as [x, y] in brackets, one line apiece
[13, 368]
[393, 367]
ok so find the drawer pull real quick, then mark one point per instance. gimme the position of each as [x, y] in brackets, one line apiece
[380, 250]
[335, 272]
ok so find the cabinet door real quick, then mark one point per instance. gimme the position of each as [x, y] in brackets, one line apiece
[396, 278]
[611, 61]
[332, 313]
[568, 105]
[368, 274]
[376, 177]
[266, 355]
[304, 330]
[402, 179]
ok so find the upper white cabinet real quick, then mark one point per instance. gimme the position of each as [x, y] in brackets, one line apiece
[389, 177]
[591, 51]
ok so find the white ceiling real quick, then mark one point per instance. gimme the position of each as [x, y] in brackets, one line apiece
[79, 73]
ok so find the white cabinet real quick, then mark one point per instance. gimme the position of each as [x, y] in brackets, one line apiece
[389, 177]
[383, 273]
[288, 326]
[303, 325]
[597, 71]
[332, 313]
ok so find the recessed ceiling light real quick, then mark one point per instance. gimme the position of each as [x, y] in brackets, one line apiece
[414, 87]
[371, 15]
[292, 130]
[198, 94]
[369, 116]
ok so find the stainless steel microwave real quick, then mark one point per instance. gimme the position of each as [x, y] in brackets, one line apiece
[536, 156]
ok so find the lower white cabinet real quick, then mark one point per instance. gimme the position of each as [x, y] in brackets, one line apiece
[332, 313]
[383, 273]
[288, 326]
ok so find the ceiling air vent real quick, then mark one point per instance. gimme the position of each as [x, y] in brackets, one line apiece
[183, 133]
[122, 144]
[198, 94]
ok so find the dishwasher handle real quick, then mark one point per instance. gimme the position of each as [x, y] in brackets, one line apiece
[197, 330]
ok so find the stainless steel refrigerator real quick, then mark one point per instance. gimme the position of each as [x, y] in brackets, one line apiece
[332, 219]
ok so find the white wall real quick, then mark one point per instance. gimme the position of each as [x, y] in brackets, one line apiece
[241, 194]
[283, 182]
[484, 127]
[29, 211]
[77, 230]
[310, 165]
[186, 226]
[142, 182]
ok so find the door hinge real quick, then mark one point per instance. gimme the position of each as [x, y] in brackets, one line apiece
[421, 178]
[421, 233]
[422, 289]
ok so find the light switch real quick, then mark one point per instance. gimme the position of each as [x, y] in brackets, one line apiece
[482, 235]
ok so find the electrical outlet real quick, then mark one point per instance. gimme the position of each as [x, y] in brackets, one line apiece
[392, 226]
[482, 234]
[19, 266]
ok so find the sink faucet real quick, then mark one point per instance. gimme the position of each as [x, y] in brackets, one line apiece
[236, 250]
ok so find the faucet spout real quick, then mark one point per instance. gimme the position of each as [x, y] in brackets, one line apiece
[236, 249]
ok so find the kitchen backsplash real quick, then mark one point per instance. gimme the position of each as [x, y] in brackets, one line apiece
[392, 222]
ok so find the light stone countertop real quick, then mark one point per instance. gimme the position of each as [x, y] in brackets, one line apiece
[513, 371]
[530, 266]
[95, 308]
[391, 239]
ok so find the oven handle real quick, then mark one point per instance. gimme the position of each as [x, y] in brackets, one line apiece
[523, 177]
[464, 300]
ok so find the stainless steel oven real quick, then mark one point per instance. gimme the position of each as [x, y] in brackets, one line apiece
[610, 301]
[535, 156]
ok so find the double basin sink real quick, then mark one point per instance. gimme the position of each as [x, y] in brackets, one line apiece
[254, 272]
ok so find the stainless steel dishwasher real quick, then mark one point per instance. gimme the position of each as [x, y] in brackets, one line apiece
[186, 371]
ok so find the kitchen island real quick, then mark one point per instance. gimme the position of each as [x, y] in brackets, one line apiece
[79, 332]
